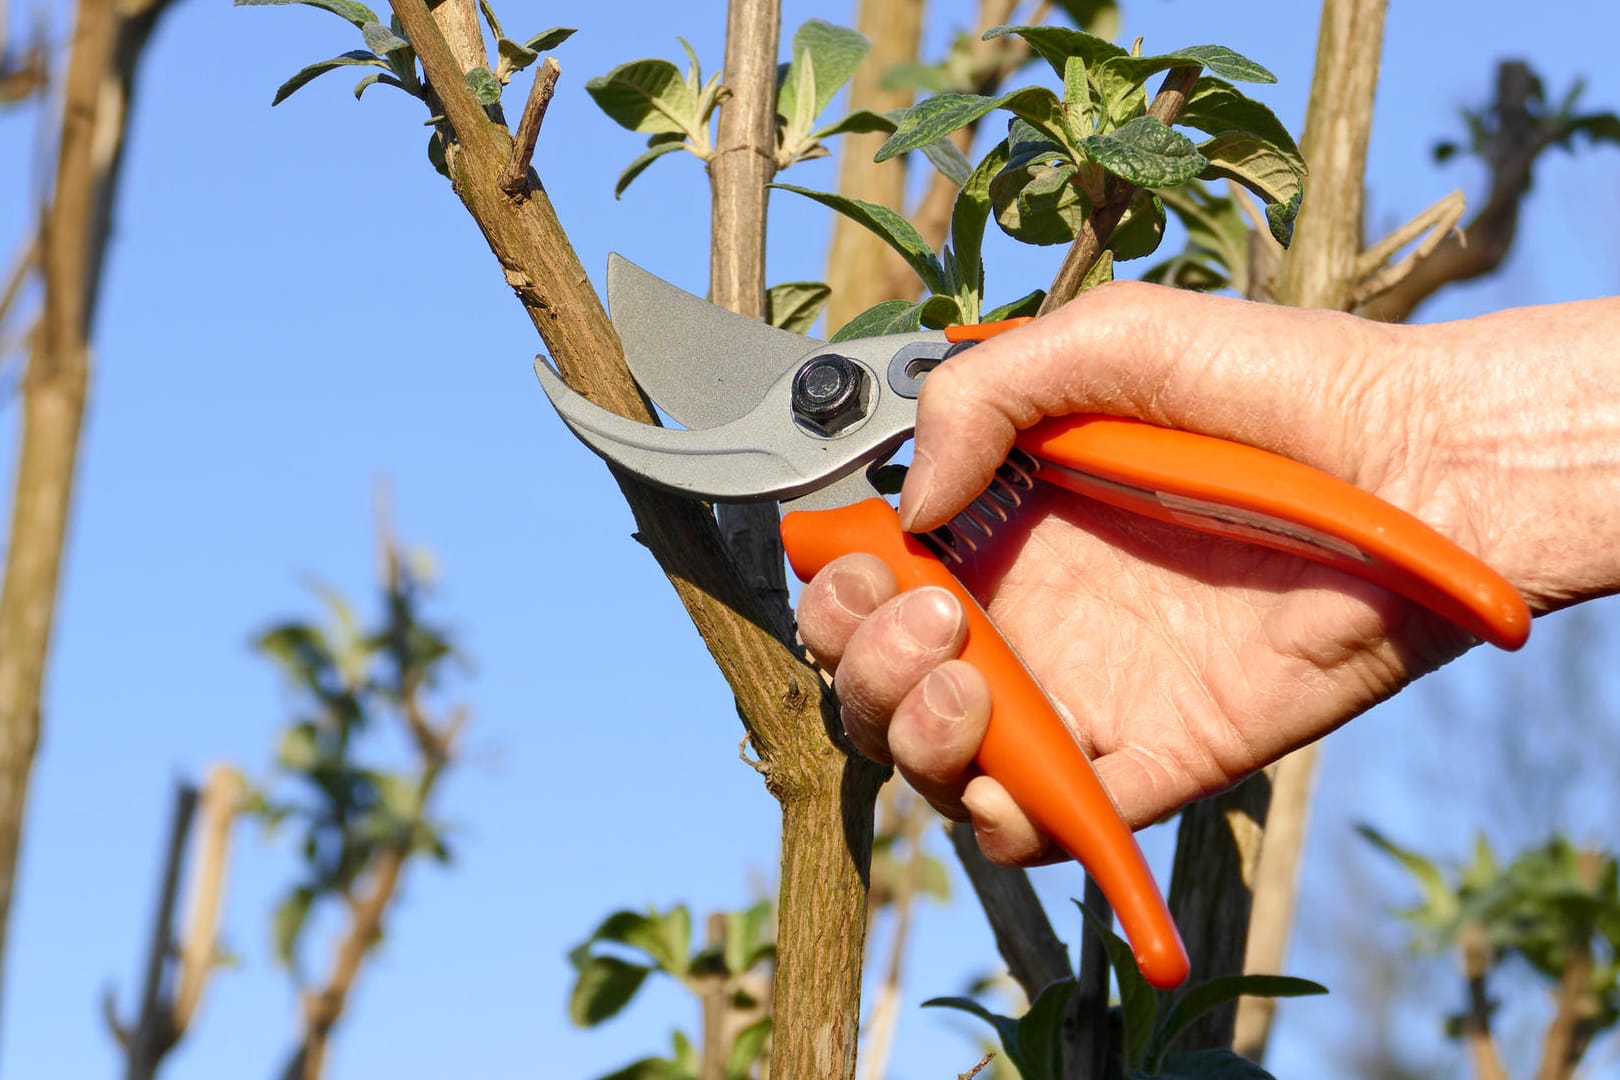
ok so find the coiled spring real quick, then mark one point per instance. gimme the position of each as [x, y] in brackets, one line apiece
[978, 523]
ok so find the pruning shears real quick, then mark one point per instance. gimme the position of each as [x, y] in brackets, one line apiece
[769, 414]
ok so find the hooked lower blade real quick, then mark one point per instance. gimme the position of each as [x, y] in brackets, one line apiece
[703, 365]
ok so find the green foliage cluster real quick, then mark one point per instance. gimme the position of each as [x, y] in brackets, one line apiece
[1147, 1022]
[349, 682]
[612, 963]
[1552, 124]
[1549, 905]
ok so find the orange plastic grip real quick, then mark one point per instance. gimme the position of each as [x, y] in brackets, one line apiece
[1229, 489]
[1027, 746]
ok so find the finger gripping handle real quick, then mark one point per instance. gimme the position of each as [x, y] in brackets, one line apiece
[1027, 747]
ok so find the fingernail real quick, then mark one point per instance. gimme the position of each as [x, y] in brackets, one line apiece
[914, 493]
[854, 592]
[943, 697]
[929, 617]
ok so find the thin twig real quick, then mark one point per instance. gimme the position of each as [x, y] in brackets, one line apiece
[1098, 227]
[1373, 278]
[977, 1069]
[198, 948]
[515, 181]
[26, 260]
[1477, 1037]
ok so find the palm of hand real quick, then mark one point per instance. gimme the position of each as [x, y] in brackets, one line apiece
[1186, 661]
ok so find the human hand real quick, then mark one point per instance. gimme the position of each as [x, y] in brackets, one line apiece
[1184, 662]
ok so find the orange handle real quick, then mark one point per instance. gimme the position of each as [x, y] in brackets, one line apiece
[1229, 489]
[1027, 746]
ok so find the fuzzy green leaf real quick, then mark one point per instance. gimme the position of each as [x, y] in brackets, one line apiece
[549, 39]
[1147, 152]
[370, 80]
[950, 161]
[834, 52]
[1028, 304]
[349, 59]
[888, 317]
[890, 226]
[1040, 1033]
[1101, 272]
[747, 937]
[858, 122]
[746, 1048]
[1034, 196]
[1248, 159]
[380, 39]
[288, 923]
[1055, 44]
[604, 986]
[1215, 227]
[1280, 219]
[1440, 900]
[969, 216]
[795, 305]
[649, 96]
[1006, 1027]
[1222, 61]
[1215, 107]
[653, 152]
[938, 116]
[514, 57]
[1140, 228]
[488, 10]
[1201, 999]
[356, 13]
[1204, 1065]
[485, 86]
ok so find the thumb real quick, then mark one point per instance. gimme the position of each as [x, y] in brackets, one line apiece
[1253, 373]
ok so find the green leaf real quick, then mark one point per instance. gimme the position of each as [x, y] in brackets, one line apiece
[1280, 219]
[648, 1069]
[1215, 228]
[1222, 61]
[1138, 1002]
[794, 305]
[1097, 16]
[664, 937]
[356, 13]
[1147, 152]
[1200, 999]
[486, 87]
[305, 76]
[288, 923]
[1261, 167]
[746, 1048]
[514, 57]
[1215, 107]
[890, 226]
[1204, 1065]
[1440, 900]
[1035, 197]
[605, 985]
[888, 317]
[939, 311]
[380, 39]
[299, 750]
[1006, 1027]
[1040, 1033]
[968, 219]
[834, 52]
[934, 879]
[746, 937]
[649, 96]
[915, 75]
[1140, 228]
[370, 80]
[653, 152]
[858, 122]
[938, 116]
[1028, 304]
[436, 158]
[1101, 272]
[1055, 44]
[1077, 119]
[546, 40]
[950, 161]
[489, 17]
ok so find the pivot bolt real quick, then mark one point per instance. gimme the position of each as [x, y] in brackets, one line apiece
[828, 393]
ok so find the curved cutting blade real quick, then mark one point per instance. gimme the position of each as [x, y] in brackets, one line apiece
[703, 365]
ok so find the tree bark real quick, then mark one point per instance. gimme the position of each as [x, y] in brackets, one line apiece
[791, 718]
[1319, 272]
[107, 45]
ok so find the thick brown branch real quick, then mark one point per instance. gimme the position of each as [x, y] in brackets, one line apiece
[1098, 227]
[1034, 953]
[740, 173]
[1477, 1037]
[1486, 240]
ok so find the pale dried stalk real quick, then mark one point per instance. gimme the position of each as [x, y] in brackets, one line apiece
[1373, 278]
[1477, 1037]
[199, 945]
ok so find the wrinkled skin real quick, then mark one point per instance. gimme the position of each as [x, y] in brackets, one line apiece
[1185, 662]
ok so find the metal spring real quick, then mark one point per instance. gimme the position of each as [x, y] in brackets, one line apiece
[984, 514]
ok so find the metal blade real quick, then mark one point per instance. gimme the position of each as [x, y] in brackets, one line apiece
[703, 365]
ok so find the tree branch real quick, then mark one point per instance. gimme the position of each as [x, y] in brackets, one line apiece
[740, 171]
[1476, 963]
[198, 948]
[516, 176]
[1034, 953]
[791, 718]
[1098, 227]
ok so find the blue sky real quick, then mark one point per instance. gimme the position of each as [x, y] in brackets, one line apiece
[297, 307]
